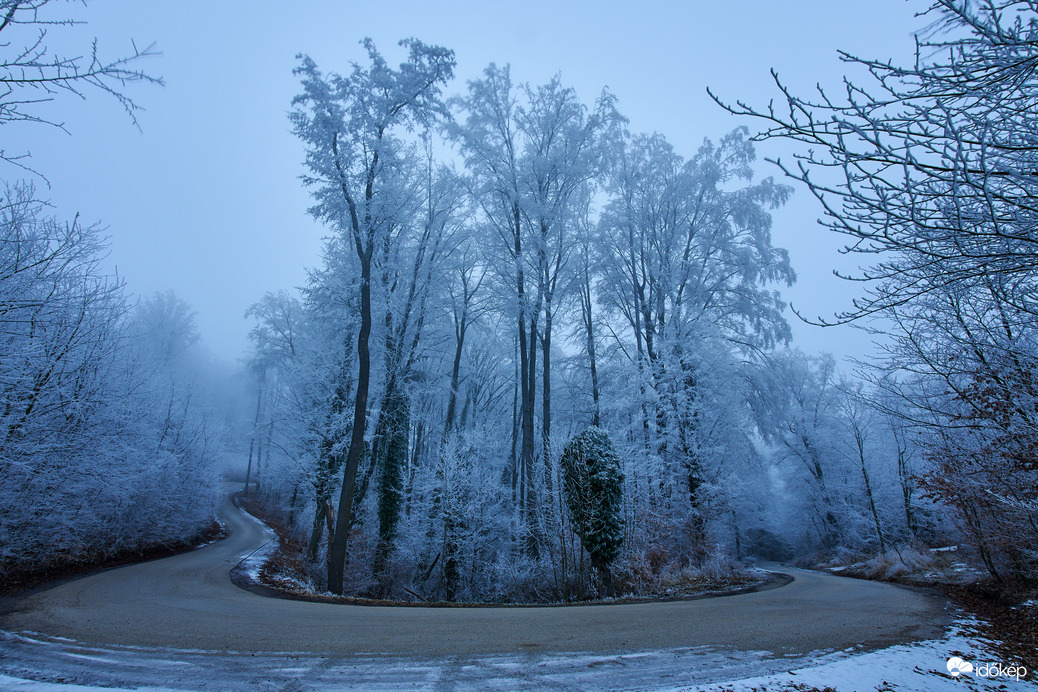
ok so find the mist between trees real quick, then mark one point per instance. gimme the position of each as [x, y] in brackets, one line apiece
[546, 358]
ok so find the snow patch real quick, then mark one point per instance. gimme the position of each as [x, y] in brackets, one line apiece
[919, 667]
[251, 564]
[14, 684]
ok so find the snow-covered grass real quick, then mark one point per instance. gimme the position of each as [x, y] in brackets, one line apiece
[913, 564]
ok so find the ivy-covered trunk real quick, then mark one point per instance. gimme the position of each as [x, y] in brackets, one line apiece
[391, 480]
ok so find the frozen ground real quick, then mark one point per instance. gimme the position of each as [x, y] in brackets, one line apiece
[37, 662]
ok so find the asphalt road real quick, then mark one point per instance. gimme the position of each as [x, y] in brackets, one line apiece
[189, 602]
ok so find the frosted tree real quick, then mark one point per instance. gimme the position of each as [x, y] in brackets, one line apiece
[102, 446]
[105, 443]
[564, 149]
[798, 406]
[167, 324]
[466, 307]
[408, 272]
[301, 398]
[530, 150]
[467, 517]
[491, 144]
[351, 126]
[181, 432]
[927, 169]
[687, 262]
[61, 319]
[586, 268]
[861, 426]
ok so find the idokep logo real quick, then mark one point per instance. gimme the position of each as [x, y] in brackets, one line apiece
[957, 667]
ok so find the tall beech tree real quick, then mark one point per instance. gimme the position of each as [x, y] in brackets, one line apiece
[686, 257]
[530, 151]
[351, 127]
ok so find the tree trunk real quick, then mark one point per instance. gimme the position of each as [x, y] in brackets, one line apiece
[322, 497]
[546, 399]
[328, 459]
[417, 455]
[513, 458]
[589, 330]
[860, 442]
[252, 442]
[528, 379]
[528, 450]
[605, 578]
[337, 548]
[907, 484]
[452, 399]
[390, 488]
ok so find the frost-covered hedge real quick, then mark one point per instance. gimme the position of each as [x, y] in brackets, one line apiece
[102, 447]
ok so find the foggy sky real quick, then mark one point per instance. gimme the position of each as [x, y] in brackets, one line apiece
[206, 199]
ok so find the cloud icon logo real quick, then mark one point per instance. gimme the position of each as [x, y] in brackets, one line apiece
[956, 666]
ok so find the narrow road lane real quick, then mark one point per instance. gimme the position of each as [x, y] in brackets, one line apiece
[189, 602]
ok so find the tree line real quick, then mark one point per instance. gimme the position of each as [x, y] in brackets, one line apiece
[547, 358]
[928, 171]
[108, 445]
[511, 272]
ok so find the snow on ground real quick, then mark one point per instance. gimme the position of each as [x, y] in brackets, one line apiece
[50, 660]
[15, 684]
[920, 667]
[41, 663]
[248, 570]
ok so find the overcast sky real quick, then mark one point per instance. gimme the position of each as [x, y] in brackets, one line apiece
[206, 201]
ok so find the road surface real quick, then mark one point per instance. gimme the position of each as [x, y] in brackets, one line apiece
[187, 602]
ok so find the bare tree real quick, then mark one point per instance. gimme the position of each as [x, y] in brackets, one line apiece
[928, 170]
[32, 74]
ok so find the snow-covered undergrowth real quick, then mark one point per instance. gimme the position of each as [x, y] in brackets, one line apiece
[281, 565]
[714, 576]
[914, 564]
